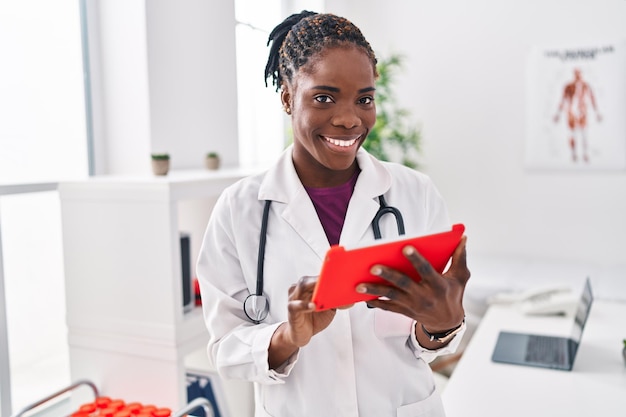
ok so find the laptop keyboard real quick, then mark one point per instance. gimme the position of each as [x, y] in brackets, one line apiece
[545, 349]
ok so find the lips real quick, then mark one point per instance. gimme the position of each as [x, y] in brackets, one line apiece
[343, 142]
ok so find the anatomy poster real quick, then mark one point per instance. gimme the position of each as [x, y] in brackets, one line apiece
[576, 107]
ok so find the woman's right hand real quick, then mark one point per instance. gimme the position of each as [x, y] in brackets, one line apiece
[302, 324]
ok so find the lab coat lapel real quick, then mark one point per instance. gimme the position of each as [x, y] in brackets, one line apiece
[301, 215]
[361, 211]
[282, 185]
[373, 181]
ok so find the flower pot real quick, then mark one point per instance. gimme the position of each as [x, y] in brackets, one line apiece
[212, 162]
[160, 166]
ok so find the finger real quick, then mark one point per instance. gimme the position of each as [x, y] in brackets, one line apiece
[292, 288]
[396, 278]
[460, 249]
[303, 289]
[300, 306]
[307, 283]
[458, 266]
[389, 306]
[425, 270]
[390, 292]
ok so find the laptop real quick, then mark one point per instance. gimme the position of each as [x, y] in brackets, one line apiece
[553, 352]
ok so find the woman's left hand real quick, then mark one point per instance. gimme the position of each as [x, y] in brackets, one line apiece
[436, 301]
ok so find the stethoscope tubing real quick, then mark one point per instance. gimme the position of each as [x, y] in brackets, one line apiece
[258, 315]
[385, 209]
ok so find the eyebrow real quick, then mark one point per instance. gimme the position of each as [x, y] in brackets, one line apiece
[336, 90]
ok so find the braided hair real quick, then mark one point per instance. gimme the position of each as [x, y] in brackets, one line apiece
[304, 34]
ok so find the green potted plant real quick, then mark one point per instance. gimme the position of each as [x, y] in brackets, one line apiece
[393, 134]
[160, 163]
[212, 160]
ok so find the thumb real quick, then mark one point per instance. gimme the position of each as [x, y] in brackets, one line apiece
[458, 266]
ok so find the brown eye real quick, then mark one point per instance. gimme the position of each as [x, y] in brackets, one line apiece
[323, 99]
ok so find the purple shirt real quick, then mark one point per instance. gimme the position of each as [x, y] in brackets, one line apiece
[331, 205]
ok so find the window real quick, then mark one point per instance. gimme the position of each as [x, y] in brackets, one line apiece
[42, 139]
[261, 119]
[42, 134]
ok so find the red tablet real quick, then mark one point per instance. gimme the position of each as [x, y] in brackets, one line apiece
[344, 269]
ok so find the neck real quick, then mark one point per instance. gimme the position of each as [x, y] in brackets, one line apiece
[323, 177]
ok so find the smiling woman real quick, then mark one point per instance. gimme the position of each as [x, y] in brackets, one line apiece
[325, 190]
[330, 123]
[324, 102]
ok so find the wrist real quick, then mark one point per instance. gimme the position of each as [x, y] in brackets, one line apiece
[285, 337]
[443, 336]
[281, 346]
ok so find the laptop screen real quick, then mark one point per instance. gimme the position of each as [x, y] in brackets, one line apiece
[582, 312]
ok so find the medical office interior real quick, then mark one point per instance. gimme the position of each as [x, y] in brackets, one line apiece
[90, 259]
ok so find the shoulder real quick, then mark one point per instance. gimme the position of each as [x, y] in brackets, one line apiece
[245, 187]
[404, 175]
[239, 200]
[413, 186]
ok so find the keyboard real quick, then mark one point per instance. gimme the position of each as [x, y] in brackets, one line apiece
[546, 350]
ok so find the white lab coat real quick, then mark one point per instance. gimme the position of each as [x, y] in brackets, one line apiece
[368, 361]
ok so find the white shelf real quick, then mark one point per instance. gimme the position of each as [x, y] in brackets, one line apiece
[127, 328]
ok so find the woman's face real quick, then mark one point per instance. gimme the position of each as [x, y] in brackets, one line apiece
[332, 106]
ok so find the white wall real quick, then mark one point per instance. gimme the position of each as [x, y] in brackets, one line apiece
[164, 80]
[119, 75]
[192, 77]
[464, 81]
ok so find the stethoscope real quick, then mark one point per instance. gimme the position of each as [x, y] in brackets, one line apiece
[256, 306]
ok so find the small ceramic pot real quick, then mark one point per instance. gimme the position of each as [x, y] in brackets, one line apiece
[160, 166]
[212, 162]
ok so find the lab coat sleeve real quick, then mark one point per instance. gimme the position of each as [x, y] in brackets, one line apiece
[429, 355]
[237, 348]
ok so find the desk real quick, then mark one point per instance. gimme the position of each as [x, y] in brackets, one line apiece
[596, 385]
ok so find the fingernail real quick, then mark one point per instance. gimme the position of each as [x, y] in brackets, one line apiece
[361, 289]
[376, 270]
[409, 250]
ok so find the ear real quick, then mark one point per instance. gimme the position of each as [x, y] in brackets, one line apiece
[285, 98]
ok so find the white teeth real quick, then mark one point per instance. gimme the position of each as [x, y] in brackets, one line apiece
[342, 143]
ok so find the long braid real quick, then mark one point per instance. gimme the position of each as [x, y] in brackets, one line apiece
[277, 37]
[302, 35]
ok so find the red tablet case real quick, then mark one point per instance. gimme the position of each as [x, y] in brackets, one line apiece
[344, 269]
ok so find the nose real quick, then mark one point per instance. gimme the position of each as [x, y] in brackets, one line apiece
[346, 116]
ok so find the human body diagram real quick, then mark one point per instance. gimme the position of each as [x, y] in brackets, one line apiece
[575, 101]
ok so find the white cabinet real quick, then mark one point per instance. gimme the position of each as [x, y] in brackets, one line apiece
[127, 328]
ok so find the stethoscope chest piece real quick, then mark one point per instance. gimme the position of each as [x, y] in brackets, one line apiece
[256, 307]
